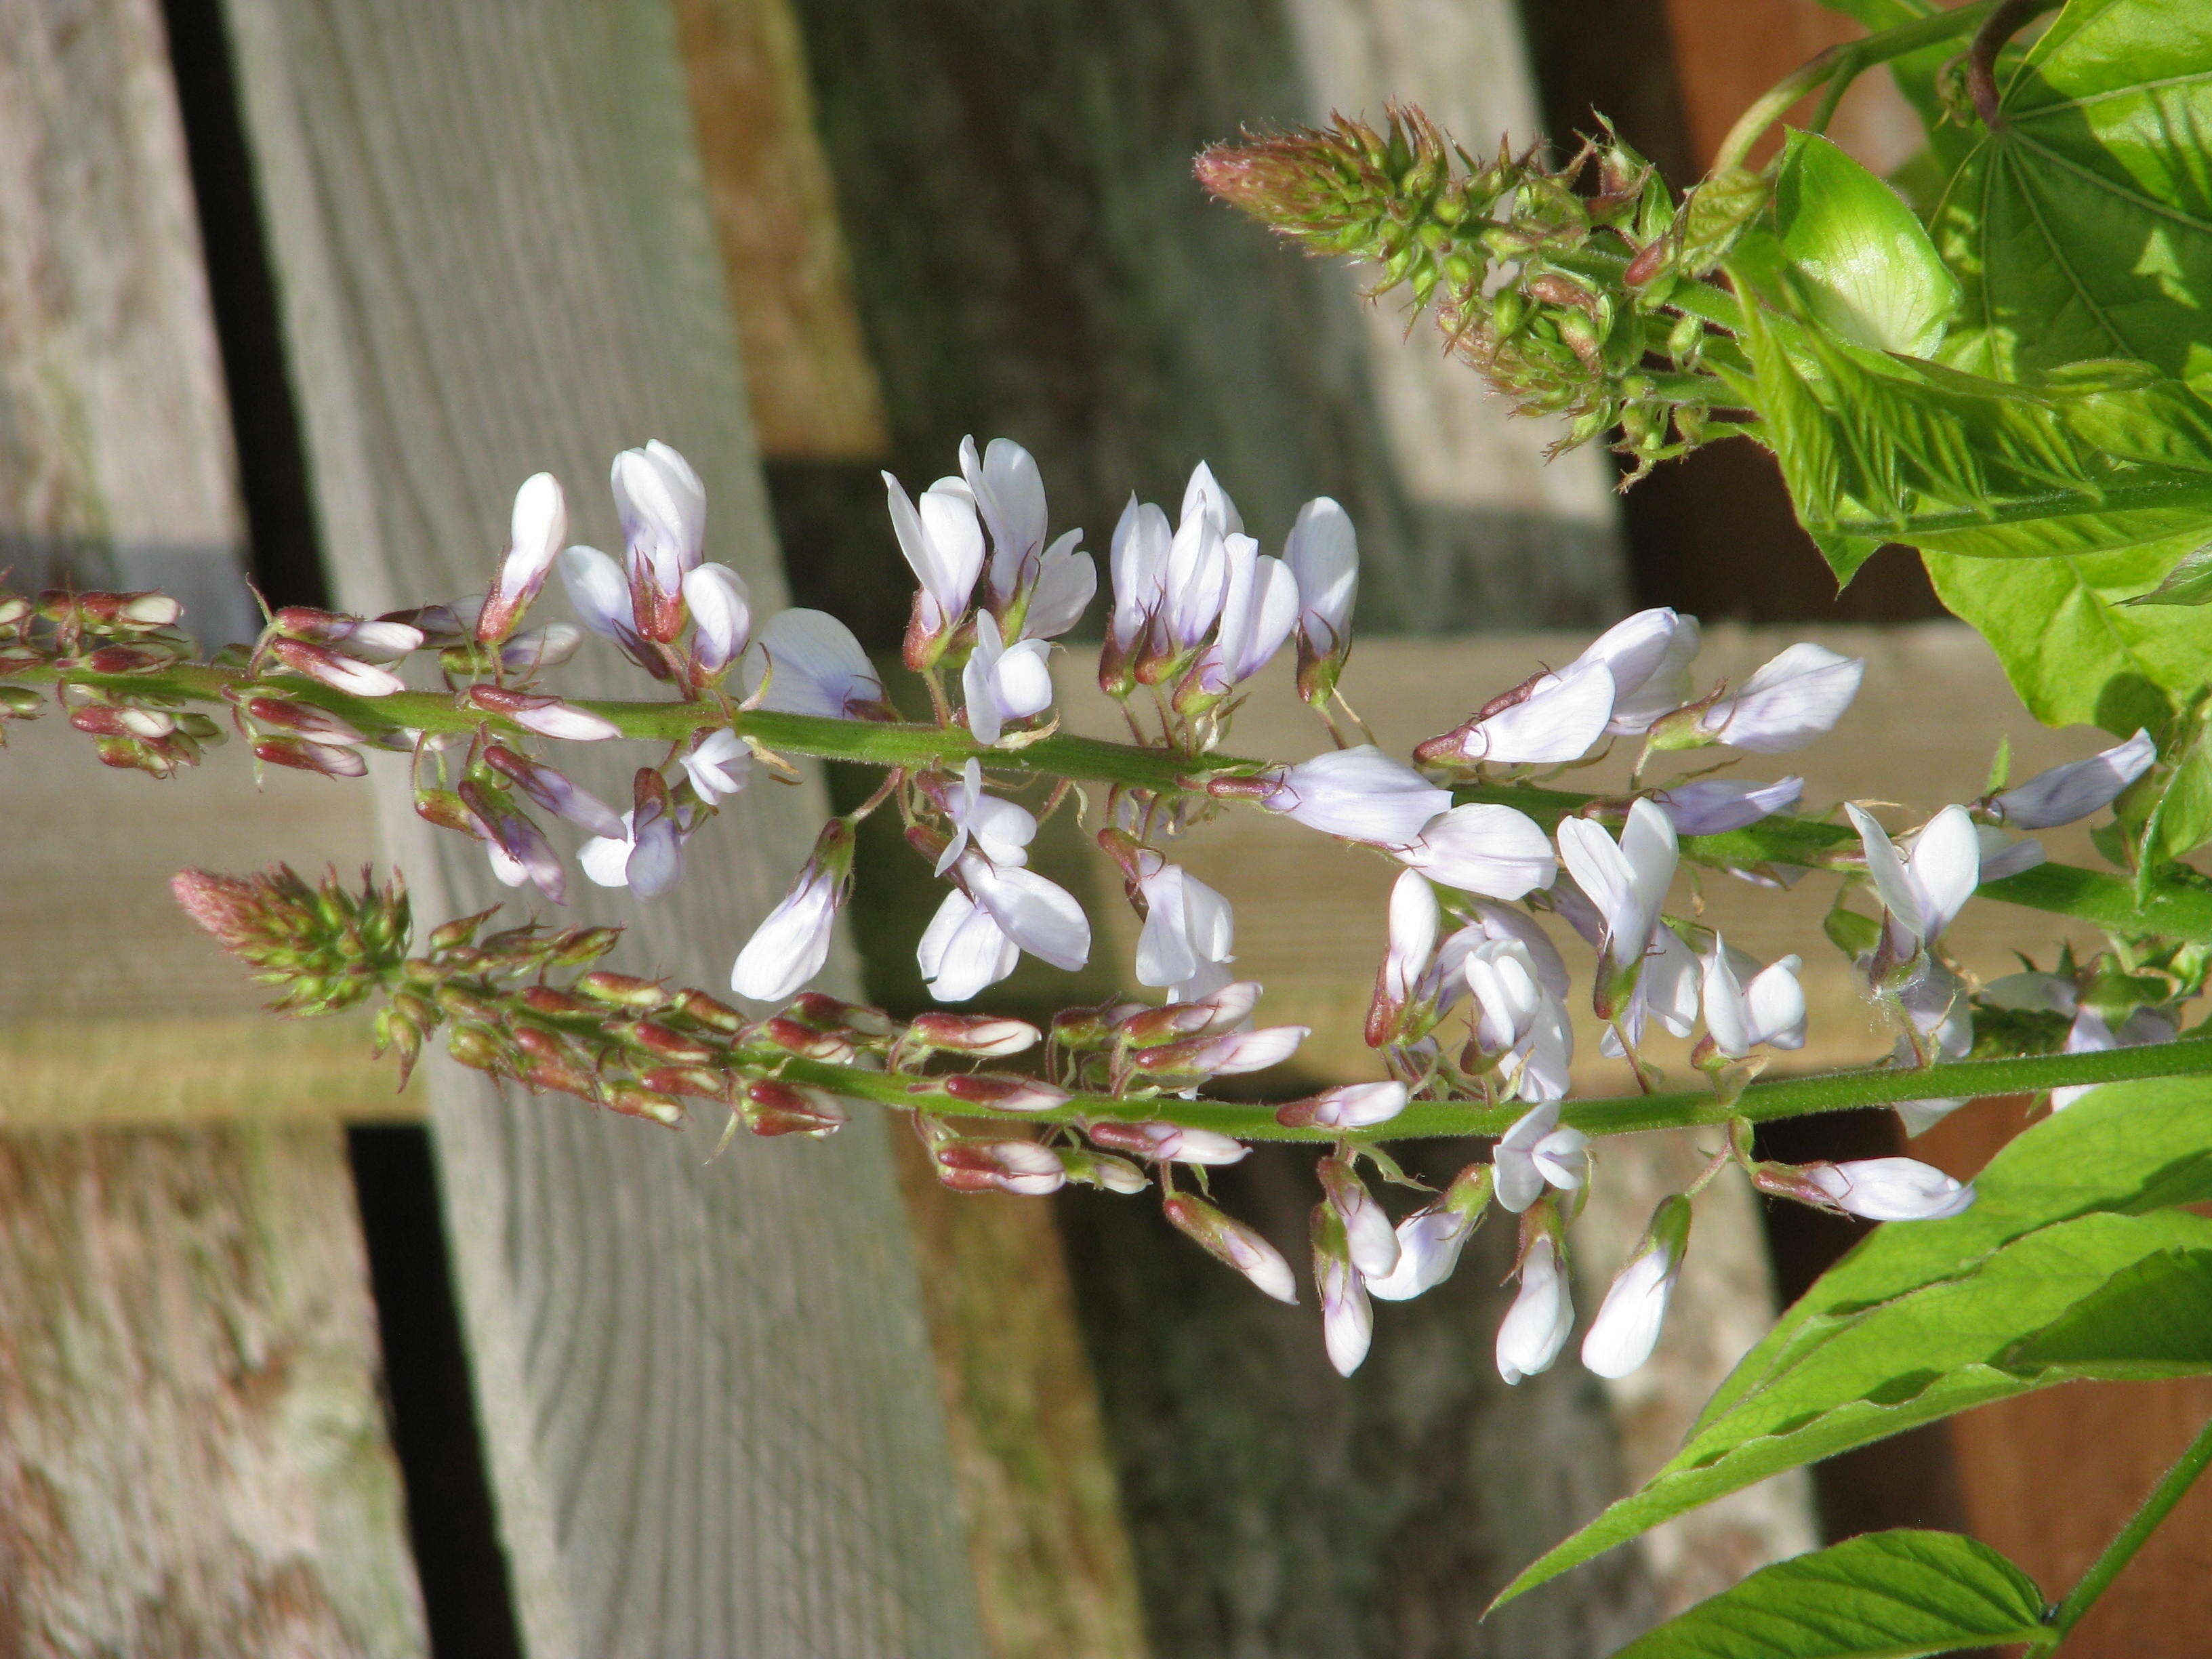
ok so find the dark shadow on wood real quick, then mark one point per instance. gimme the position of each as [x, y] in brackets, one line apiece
[434, 1425]
[282, 541]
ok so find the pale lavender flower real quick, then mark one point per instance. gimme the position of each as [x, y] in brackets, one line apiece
[1429, 1240]
[2090, 1034]
[1649, 655]
[1520, 1023]
[1627, 883]
[1203, 497]
[1553, 717]
[554, 791]
[1768, 1010]
[1499, 921]
[598, 593]
[2066, 795]
[663, 509]
[1169, 1143]
[1195, 586]
[1922, 890]
[1347, 1318]
[1712, 806]
[341, 674]
[538, 526]
[998, 828]
[2001, 855]
[533, 650]
[1142, 540]
[721, 616]
[1543, 1316]
[1259, 607]
[1797, 697]
[943, 542]
[792, 942]
[1370, 1240]
[1348, 1106]
[818, 667]
[964, 950]
[1889, 1189]
[1188, 925]
[1009, 492]
[1626, 1328]
[1323, 555]
[1003, 683]
[1041, 917]
[1536, 1152]
[1483, 849]
[717, 764]
[1234, 1244]
[1408, 971]
[1359, 793]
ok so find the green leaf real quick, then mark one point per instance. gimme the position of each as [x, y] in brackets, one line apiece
[1879, 447]
[2154, 1320]
[2128, 1147]
[2188, 582]
[2182, 820]
[1880, 1595]
[1866, 269]
[2082, 224]
[2074, 650]
[1919, 1357]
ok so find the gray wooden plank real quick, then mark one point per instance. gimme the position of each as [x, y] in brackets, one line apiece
[193, 1457]
[706, 1392]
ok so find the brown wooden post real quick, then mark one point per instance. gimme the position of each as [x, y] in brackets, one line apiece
[193, 1458]
[705, 1391]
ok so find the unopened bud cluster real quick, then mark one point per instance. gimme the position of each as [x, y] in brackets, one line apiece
[1493, 247]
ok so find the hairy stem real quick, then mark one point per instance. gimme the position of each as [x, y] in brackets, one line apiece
[2168, 909]
[1841, 65]
[2122, 1550]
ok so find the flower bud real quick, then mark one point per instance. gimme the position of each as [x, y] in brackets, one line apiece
[304, 720]
[544, 999]
[1234, 1244]
[1875, 1188]
[985, 1036]
[1542, 1316]
[1212, 1056]
[578, 945]
[805, 1041]
[1368, 1234]
[703, 1009]
[553, 791]
[477, 1047]
[703, 1082]
[306, 756]
[632, 1100]
[538, 527]
[133, 660]
[549, 717]
[623, 990]
[1168, 1142]
[1021, 1166]
[1216, 1011]
[1115, 1175]
[1003, 1093]
[1350, 1106]
[663, 1042]
[827, 1013]
[773, 1108]
[347, 674]
[1626, 1328]
[1429, 1240]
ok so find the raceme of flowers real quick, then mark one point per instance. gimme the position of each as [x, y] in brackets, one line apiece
[1473, 1001]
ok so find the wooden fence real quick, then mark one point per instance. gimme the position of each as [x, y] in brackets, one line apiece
[309, 287]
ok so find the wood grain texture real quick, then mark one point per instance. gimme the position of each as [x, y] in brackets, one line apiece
[115, 458]
[191, 1459]
[708, 1404]
[814, 392]
[1033, 258]
[193, 1456]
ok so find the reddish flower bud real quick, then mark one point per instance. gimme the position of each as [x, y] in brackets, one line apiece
[477, 1047]
[773, 1108]
[632, 1100]
[341, 674]
[703, 1081]
[1003, 1093]
[703, 1009]
[623, 990]
[828, 1014]
[1021, 1166]
[806, 1042]
[544, 999]
[669, 1045]
[304, 720]
[985, 1035]
[304, 756]
[131, 659]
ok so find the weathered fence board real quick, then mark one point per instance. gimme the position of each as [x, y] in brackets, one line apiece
[708, 1404]
[193, 1458]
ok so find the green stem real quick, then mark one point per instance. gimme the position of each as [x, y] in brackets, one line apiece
[2155, 1508]
[1844, 63]
[2168, 909]
[1623, 1115]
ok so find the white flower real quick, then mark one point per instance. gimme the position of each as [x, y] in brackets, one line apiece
[341, 674]
[598, 593]
[1649, 655]
[1169, 1143]
[721, 616]
[1536, 1152]
[1323, 555]
[551, 789]
[1043, 919]
[552, 718]
[535, 649]
[1359, 793]
[818, 667]
[1666, 988]
[1712, 806]
[538, 526]
[1890, 1189]
[943, 543]
[1195, 585]
[719, 765]
[1553, 717]
[963, 950]
[1001, 829]
[1541, 1318]
[1233, 1244]
[790, 945]
[1244, 1051]
[1771, 1010]
[1067, 580]
[1348, 1106]
[1923, 889]
[1934, 999]
[1142, 539]
[1408, 962]
[1347, 1318]
[1792, 700]
[1188, 925]
[1258, 610]
[1002, 682]
[2065, 795]
[1203, 497]
[1370, 1240]
[1483, 849]
[2001, 856]
[1429, 1244]
[1626, 1328]
[1521, 1021]
[1498, 922]
[663, 508]
[1626, 883]
[2089, 1034]
[1009, 492]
